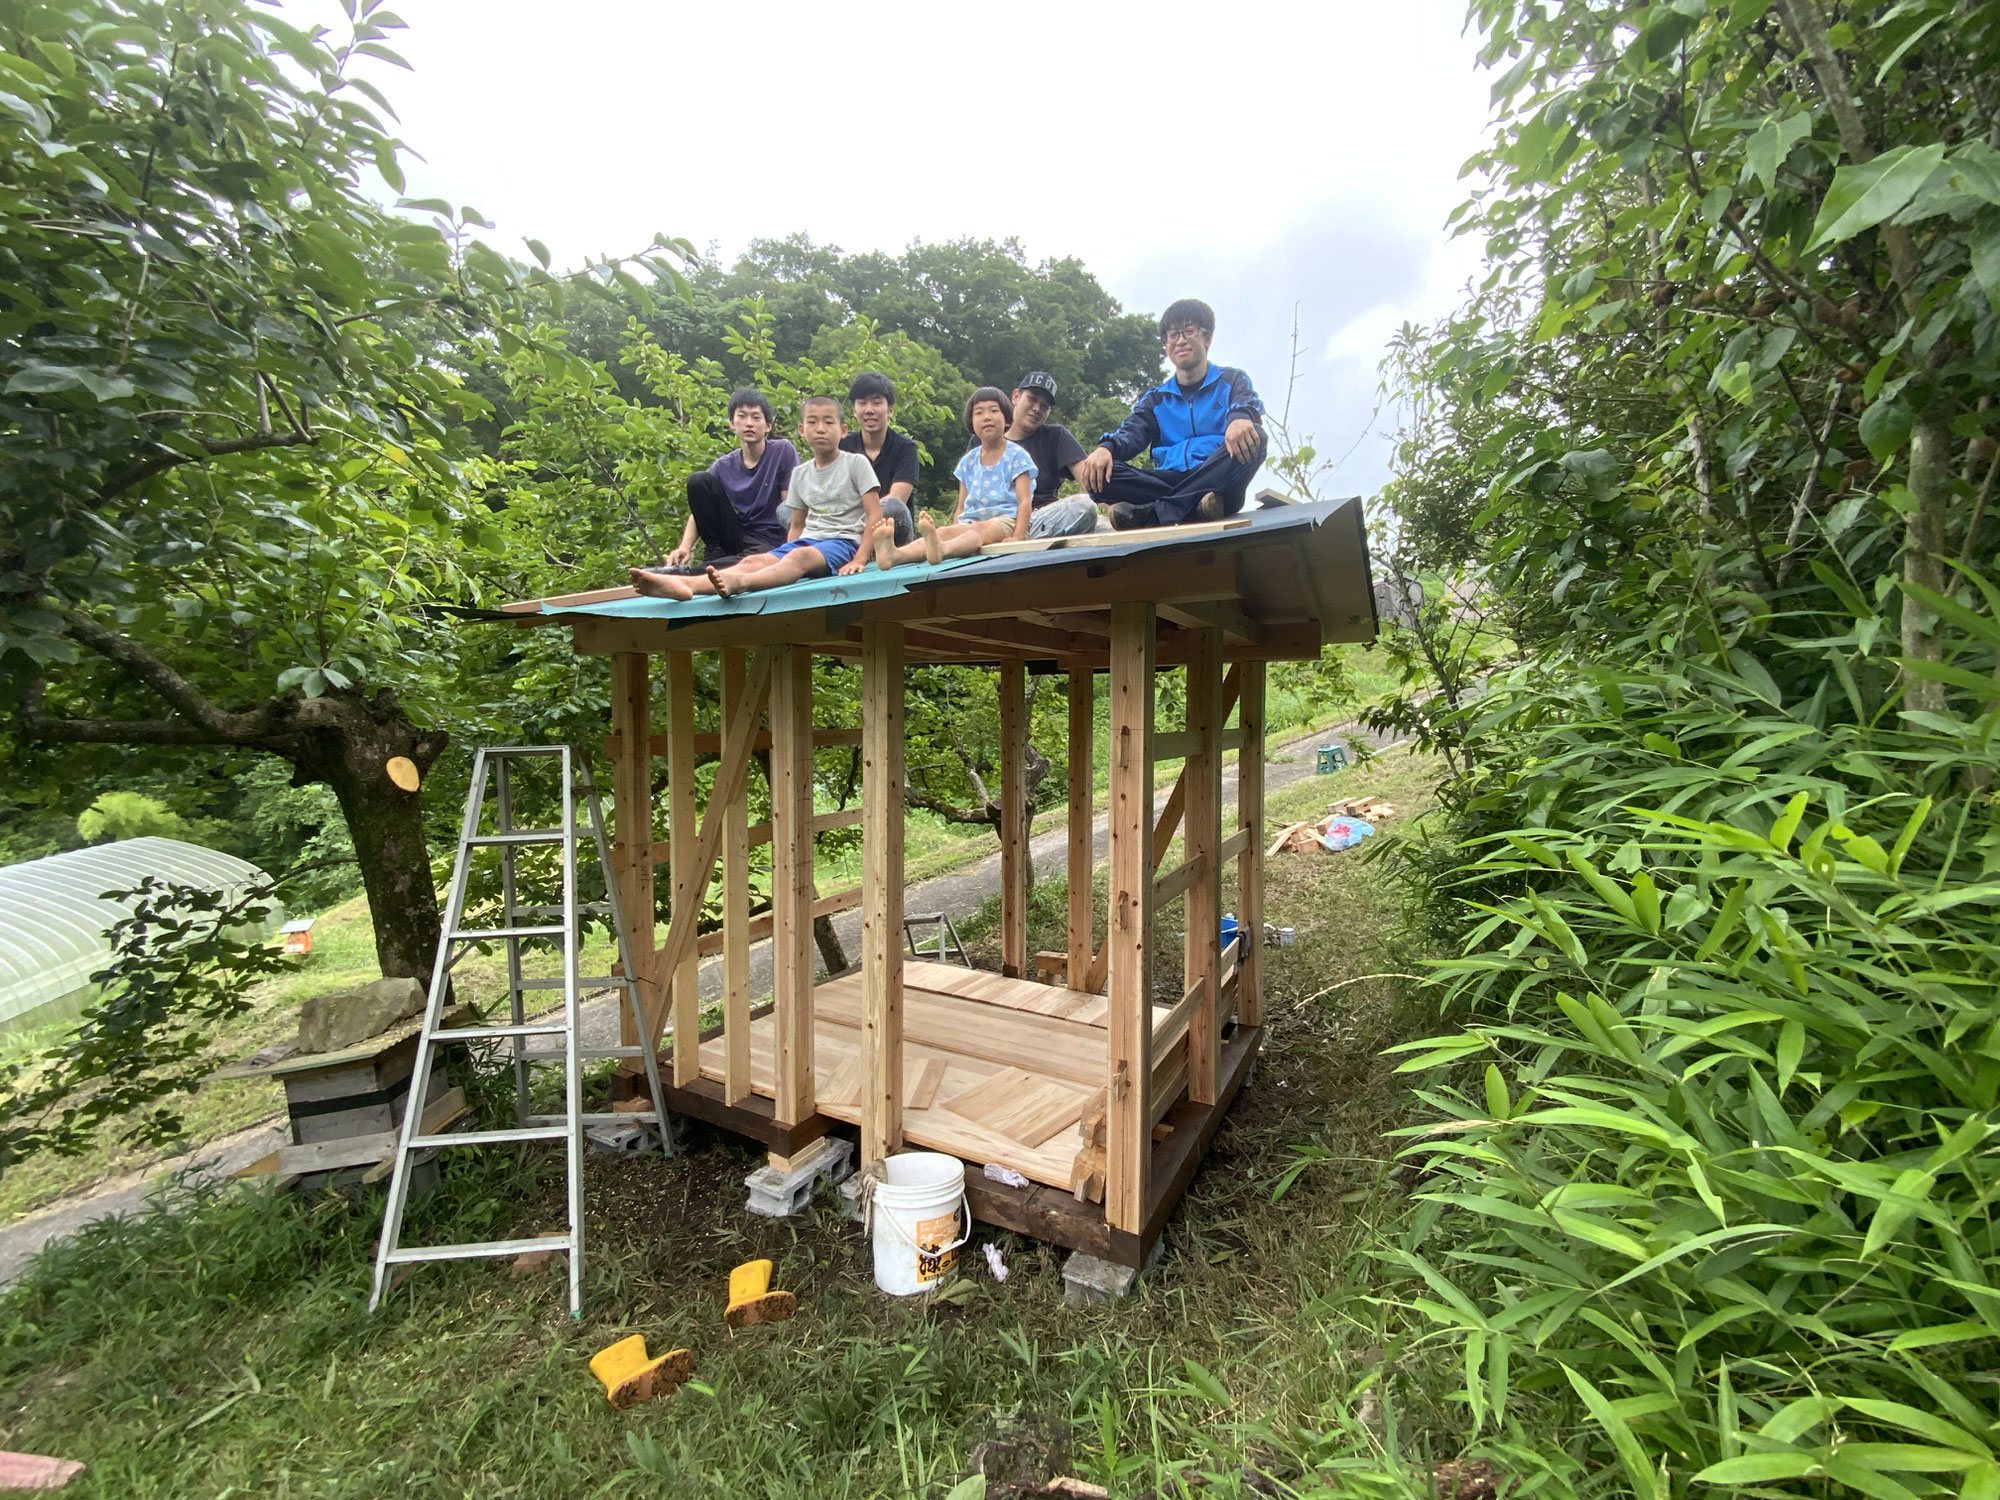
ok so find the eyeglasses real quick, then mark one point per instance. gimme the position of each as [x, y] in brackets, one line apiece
[1181, 336]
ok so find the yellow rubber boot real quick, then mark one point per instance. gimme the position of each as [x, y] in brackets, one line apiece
[630, 1376]
[751, 1300]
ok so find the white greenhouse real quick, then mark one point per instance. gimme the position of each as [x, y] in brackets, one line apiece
[54, 919]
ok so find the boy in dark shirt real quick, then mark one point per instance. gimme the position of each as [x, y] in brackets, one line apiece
[891, 454]
[736, 505]
[1057, 455]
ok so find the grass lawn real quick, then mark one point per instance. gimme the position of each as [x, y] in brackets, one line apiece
[220, 1346]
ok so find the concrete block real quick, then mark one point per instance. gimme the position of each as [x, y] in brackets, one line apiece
[1089, 1281]
[779, 1195]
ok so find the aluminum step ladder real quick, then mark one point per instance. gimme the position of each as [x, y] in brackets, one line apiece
[560, 925]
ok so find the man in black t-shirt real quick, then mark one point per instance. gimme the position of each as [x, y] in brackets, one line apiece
[892, 454]
[1056, 453]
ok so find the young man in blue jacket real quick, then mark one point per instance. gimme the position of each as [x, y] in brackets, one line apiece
[1205, 427]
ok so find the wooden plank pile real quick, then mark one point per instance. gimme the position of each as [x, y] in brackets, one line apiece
[1299, 838]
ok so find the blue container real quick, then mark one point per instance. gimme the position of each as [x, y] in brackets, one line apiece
[1228, 931]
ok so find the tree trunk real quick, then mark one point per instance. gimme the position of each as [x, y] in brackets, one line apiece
[349, 750]
[831, 954]
[386, 824]
[344, 740]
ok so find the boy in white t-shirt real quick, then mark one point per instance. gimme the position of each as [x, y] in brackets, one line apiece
[996, 488]
[834, 502]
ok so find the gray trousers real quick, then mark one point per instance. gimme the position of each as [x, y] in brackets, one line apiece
[1076, 516]
[899, 512]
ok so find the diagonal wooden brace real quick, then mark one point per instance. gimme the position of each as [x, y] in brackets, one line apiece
[1168, 826]
[731, 777]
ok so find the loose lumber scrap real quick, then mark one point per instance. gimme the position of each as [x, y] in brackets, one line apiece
[375, 1149]
[1086, 1176]
[1367, 809]
[1114, 538]
[920, 1089]
[36, 1471]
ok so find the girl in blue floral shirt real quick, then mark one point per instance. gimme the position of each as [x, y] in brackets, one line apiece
[996, 486]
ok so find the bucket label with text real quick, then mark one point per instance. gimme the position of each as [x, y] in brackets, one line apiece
[933, 1263]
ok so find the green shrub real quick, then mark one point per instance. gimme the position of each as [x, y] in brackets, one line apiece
[1721, 1154]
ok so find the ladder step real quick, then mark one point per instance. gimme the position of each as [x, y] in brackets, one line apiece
[489, 1137]
[589, 981]
[584, 909]
[406, 1254]
[495, 1033]
[519, 836]
[486, 934]
[644, 1117]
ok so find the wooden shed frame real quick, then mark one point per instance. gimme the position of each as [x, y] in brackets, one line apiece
[1218, 603]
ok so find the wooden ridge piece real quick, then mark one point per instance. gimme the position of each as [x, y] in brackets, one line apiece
[1113, 538]
[1023, 1106]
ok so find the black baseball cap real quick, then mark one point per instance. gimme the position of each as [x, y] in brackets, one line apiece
[1038, 380]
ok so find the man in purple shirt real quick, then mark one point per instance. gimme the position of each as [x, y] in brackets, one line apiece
[736, 504]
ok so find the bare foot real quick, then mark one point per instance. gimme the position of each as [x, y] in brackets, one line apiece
[720, 582]
[933, 548]
[883, 535]
[659, 585]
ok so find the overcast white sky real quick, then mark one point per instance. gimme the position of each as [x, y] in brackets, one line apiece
[1259, 156]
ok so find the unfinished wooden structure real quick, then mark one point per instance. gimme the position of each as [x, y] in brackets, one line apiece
[1100, 1091]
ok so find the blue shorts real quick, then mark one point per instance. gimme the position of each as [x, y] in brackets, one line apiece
[838, 552]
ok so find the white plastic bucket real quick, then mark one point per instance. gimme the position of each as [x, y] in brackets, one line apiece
[917, 1231]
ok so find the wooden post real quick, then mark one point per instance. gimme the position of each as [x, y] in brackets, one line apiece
[1082, 733]
[1202, 948]
[792, 880]
[735, 903]
[632, 820]
[1130, 1076]
[1250, 865]
[882, 735]
[684, 832]
[1013, 819]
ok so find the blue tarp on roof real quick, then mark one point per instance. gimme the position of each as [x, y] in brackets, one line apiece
[1266, 524]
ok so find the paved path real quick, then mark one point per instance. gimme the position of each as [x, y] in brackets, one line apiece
[958, 892]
